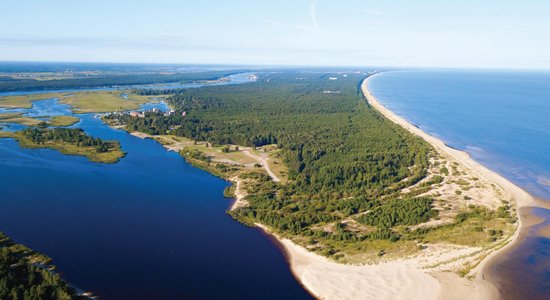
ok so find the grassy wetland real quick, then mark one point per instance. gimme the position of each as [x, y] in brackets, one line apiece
[84, 101]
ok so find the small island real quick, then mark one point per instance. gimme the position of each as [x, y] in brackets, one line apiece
[72, 141]
[63, 121]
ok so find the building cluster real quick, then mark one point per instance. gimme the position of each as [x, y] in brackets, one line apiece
[169, 113]
[141, 114]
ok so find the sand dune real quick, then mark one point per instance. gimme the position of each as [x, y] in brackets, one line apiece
[406, 278]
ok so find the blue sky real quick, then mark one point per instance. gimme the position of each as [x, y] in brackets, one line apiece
[484, 34]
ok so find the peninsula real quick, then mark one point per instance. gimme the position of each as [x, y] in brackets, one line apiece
[364, 207]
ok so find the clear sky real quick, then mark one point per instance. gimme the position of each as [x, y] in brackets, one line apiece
[452, 33]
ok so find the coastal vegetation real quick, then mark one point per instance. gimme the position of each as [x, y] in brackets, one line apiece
[71, 141]
[25, 274]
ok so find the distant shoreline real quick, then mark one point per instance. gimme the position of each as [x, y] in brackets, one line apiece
[522, 198]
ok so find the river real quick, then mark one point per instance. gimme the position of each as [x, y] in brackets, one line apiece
[148, 227]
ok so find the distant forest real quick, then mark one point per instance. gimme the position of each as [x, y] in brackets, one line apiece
[7, 84]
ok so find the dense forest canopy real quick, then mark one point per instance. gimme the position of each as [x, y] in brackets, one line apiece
[342, 155]
[333, 141]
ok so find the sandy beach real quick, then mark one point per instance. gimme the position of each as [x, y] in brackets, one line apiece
[407, 278]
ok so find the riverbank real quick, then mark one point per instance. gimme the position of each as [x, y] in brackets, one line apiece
[243, 157]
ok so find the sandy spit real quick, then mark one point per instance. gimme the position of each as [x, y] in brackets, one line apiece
[406, 278]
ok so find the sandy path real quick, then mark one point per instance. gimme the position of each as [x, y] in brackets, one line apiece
[263, 162]
[239, 194]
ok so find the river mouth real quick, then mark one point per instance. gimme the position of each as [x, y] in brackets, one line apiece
[528, 261]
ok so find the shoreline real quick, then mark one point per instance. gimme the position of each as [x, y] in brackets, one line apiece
[521, 197]
[404, 278]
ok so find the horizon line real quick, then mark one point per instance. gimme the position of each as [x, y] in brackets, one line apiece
[252, 65]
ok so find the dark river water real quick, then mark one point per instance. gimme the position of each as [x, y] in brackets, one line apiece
[148, 227]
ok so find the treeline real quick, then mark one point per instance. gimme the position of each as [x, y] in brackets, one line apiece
[399, 212]
[75, 136]
[108, 81]
[343, 157]
[332, 143]
[25, 275]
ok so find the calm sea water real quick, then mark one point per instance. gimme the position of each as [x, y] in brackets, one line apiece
[148, 227]
[502, 119]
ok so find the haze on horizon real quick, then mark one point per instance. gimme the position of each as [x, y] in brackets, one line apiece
[470, 34]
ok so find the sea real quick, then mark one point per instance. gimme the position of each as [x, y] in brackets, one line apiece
[502, 120]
